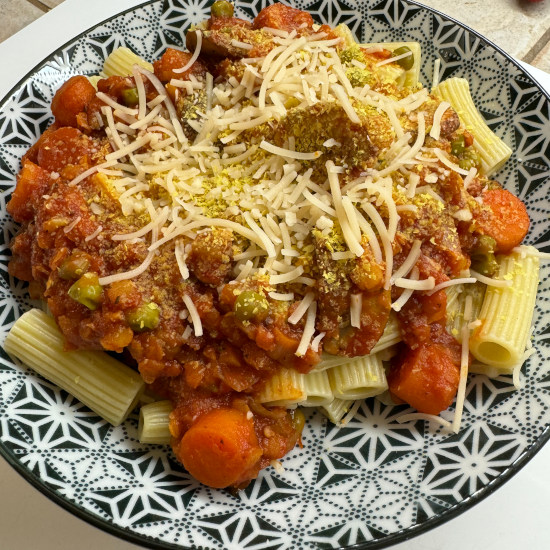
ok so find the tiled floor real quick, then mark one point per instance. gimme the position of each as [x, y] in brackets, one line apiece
[518, 26]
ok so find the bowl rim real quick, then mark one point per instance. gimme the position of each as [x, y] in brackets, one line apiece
[402, 535]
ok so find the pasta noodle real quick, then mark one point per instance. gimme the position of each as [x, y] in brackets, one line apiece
[154, 423]
[456, 306]
[284, 389]
[102, 383]
[506, 313]
[494, 152]
[362, 378]
[318, 390]
[121, 61]
[336, 410]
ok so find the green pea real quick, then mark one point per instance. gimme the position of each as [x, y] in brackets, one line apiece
[458, 146]
[298, 420]
[485, 264]
[74, 267]
[292, 102]
[406, 63]
[470, 159]
[485, 245]
[130, 97]
[146, 317]
[251, 306]
[221, 8]
[87, 291]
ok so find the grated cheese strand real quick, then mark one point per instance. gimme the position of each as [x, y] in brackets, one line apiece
[409, 262]
[461, 393]
[446, 284]
[309, 329]
[302, 308]
[355, 310]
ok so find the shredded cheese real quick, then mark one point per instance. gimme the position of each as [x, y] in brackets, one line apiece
[413, 417]
[424, 284]
[446, 284]
[461, 394]
[302, 308]
[195, 319]
[309, 329]
[409, 262]
[438, 115]
[407, 293]
[491, 282]
[356, 301]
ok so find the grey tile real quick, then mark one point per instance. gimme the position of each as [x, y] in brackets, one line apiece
[542, 60]
[52, 3]
[514, 25]
[15, 15]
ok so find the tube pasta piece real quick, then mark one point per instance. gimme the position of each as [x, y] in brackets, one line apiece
[493, 151]
[102, 383]
[410, 77]
[489, 370]
[285, 389]
[456, 304]
[390, 337]
[121, 61]
[506, 313]
[154, 423]
[336, 410]
[318, 390]
[364, 377]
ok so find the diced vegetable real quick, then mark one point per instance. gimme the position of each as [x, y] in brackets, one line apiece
[425, 378]
[407, 62]
[251, 306]
[144, 318]
[221, 8]
[220, 448]
[71, 99]
[87, 291]
[74, 266]
[508, 221]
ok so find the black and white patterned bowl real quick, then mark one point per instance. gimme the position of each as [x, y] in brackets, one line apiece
[372, 484]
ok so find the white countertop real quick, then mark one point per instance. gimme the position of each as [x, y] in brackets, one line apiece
[515, 517]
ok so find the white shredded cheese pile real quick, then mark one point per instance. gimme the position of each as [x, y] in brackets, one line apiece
[279, 205]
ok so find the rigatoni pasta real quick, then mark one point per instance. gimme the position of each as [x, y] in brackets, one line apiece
[506, 313]
[472, 294]
[364, 377]
[318, 390]
[493, 151]
[154, 423]
[102, 383]
[121, 61]
[337, 409]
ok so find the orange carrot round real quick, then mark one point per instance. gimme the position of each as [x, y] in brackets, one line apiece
[221, 448]
[71, 99]
[425, 378]
[508, 221]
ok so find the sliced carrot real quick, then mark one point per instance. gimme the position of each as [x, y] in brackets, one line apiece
[176, 59]
[32, 182]
[285, 18]
[71, 99]
[507, 221]
[425, 378]
[221, 448]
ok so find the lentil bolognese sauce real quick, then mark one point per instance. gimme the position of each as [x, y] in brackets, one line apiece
[205, 220]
